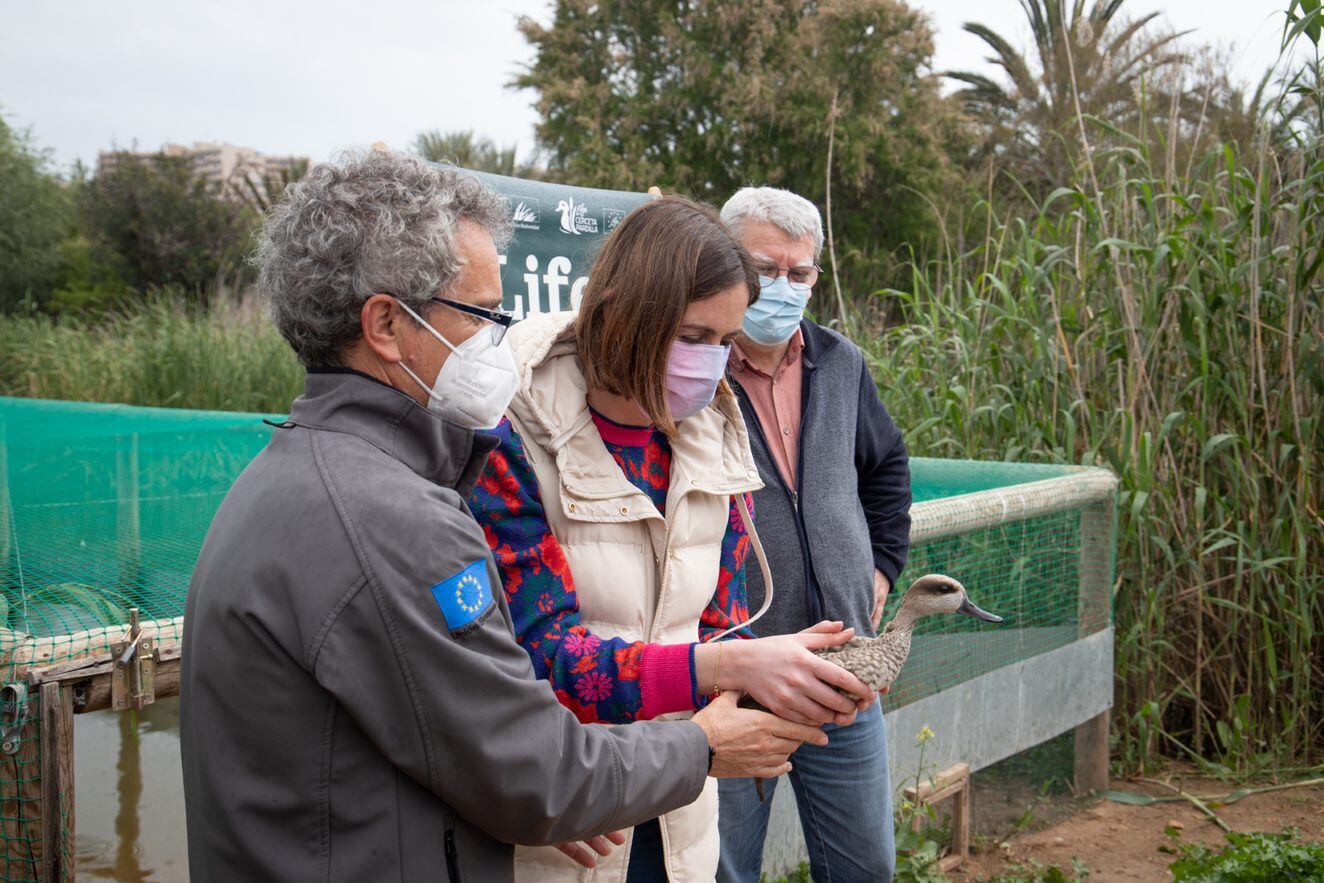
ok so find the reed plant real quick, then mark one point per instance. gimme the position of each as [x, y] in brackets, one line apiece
[1168, 323]
[159, 353]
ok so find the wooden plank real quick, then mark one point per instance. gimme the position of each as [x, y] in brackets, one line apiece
[961, 824]
[23, 652]
[939, 782]
[96, 695]
[89, 684]
[57, 783]
[954, 783]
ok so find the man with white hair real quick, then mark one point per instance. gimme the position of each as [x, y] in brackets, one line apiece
[835, 520]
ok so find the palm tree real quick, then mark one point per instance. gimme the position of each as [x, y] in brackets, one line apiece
[1272, 109]
[1091, 60]
[265, 190]
[469, 151]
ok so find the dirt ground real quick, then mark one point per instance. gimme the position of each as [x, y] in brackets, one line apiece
[1118, 841]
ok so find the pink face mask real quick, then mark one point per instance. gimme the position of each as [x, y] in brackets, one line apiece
[693, 371]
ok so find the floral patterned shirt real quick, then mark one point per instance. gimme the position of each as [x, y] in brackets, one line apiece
[606, 680]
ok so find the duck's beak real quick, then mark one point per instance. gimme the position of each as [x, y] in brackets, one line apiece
[969, 608]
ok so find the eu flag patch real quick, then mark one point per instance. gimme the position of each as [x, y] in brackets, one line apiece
[466, 596]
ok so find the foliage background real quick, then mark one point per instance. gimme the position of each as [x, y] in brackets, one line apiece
[1109, 255]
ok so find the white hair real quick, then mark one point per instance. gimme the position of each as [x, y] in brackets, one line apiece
[789, 212]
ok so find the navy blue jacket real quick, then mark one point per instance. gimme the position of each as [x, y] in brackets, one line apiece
[851, 511]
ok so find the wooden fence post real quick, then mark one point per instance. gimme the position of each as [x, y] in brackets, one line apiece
[1098, 524]
[57, 782]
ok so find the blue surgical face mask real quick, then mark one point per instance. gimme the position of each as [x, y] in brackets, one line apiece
[777, 313]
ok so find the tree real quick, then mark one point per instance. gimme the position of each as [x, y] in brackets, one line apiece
[469, 151]
[159, 224]
[35, 218]
[1094, 60]
[262, 192]
[1230, 111]
[706, 97]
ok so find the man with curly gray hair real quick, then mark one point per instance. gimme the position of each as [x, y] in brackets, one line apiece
[354, 705]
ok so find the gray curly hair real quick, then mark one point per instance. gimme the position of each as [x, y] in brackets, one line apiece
[365, 223]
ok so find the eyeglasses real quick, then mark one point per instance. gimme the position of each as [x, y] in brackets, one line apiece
[801, 278]
[500, 319]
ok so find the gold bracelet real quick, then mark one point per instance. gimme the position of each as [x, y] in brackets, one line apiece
[717, 670]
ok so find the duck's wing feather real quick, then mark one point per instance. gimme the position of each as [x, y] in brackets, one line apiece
[876, 661]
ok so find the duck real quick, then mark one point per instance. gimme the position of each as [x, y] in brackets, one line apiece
[877, 661]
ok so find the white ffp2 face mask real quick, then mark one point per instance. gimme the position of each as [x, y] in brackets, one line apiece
[475, 385]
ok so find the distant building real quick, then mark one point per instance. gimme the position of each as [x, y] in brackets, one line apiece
[236, 169]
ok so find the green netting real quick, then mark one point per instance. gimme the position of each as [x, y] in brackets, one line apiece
[103, 507]
[933, 479]
[1026, 571]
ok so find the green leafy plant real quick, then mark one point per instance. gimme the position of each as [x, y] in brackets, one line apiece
[800, 875]
[917, 849]
[1036, 872]
[1251, 858]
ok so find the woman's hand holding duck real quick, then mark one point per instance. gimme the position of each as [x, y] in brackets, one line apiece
[785, 676]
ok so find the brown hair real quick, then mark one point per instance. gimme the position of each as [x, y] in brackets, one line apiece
[664, 255]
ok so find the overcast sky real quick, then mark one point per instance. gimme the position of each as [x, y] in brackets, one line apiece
[310, 78]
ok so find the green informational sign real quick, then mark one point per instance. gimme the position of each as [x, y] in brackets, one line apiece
[558, 229]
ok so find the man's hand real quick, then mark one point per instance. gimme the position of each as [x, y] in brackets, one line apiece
[748, 743]
[881, 586]
[785, 676]
[602, 845]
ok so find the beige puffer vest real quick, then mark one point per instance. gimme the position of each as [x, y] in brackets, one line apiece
[638, 576]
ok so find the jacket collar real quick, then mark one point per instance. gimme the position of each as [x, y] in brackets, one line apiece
[345, 400]
[818, 343]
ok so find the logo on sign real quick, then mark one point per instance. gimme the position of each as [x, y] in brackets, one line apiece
[574, 217]
[611, 217]
[525, 214]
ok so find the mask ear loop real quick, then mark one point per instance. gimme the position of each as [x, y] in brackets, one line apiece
[434, 332]
[748, 521]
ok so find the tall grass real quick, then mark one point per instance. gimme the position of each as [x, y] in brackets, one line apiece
[159, 354]
[1172, 328]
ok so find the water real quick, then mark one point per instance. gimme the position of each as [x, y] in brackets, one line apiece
[129, 795]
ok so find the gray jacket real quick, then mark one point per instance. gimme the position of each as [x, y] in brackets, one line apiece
[353, 703]
[851, 511]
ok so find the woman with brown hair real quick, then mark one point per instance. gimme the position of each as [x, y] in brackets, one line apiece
[617, 507]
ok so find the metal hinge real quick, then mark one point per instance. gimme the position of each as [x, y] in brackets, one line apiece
[132, 682]
[13, 714]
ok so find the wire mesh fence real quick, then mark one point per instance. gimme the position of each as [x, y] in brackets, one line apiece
[104, 507]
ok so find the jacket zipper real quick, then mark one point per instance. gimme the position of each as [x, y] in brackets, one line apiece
[794, 496]
[662, 580]
[452, 855]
